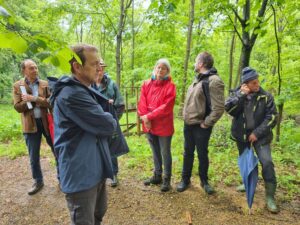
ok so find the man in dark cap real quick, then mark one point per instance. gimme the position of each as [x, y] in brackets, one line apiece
[254, 115]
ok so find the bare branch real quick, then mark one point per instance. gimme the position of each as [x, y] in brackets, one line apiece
[260, 20]
[238, 16]
[237, 32]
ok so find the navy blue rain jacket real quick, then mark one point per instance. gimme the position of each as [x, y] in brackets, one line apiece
[82, 130]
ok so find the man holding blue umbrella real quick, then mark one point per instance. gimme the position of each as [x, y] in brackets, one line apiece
[254, 115]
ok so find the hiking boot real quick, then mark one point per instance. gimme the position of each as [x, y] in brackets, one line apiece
[270, 189]
[165, 185]
[36, 187]
[155, 179]
[241, 188]
[183, 185]
[207, 188]
[114, 182]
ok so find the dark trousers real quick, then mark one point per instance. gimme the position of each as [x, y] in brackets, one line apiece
[33, 142]
[263, 153]
[88, 207]
[161, 151]
[195, 136]
[115, 165]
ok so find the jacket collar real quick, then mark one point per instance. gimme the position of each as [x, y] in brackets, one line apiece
[212, 71]
[36, 81]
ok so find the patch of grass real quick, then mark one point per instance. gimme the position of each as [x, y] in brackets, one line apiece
[13, 148]
[10, 123]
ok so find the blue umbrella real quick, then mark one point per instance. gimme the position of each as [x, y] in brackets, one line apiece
[249, 171]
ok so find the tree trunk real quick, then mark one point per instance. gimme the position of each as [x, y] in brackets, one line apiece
[237, 80]
[247, 39]
[81, 32]
[231, 58]
[119, 40]
[188, 48]
[279, 68]
[133, 36]
[245, 56]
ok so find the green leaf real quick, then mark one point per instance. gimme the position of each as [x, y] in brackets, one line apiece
[13, 41]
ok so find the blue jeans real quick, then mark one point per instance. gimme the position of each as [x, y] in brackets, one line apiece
[161, 150]
[263, 153]
[33, 142]
[195, 136]
[88, 207]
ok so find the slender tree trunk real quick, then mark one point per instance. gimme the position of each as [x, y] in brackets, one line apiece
[133, 36]
[188, 48]
[231, 58]
[238, 73]
[279, 68]
[121, 24]
[81, 32]
[119, 40]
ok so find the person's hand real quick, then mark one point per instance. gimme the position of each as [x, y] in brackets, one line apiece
[245, 89]
[252, 138]
[28, 98]
[202, 125]
[148, 124]
[144, 118]
[111, 101]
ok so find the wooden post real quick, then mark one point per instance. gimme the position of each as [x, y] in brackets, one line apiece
[138, 124]
[126, 105]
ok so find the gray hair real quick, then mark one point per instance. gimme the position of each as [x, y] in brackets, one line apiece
[165, 62]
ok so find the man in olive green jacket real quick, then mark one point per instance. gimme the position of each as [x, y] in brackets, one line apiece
[203, 107]
[32, 103]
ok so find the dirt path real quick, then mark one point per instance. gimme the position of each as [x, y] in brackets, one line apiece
[132, 203]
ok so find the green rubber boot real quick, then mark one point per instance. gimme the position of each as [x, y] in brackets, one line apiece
[241, 188]
[270, 201]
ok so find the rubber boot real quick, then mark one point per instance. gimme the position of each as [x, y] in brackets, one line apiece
[270, 201]
[155, 179]
[166, 184]
[114, 182]
[241, 188]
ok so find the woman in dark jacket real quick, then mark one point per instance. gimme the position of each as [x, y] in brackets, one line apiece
[106, 86]
[155, 108]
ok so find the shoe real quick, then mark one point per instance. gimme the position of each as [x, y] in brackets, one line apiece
[36, 187]
[182, 186]
[208, 189]
[114, 182]
[270, 189]
[241, 188]
[165, 185]
[155, 179]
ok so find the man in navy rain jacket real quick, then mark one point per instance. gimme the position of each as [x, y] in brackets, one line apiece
[82, 130]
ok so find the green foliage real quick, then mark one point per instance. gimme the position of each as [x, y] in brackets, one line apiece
[10, 124]
[13, 149]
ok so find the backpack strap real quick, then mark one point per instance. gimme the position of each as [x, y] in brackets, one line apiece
[205, 87]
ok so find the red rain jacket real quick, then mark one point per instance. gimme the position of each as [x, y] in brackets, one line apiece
[157, 101]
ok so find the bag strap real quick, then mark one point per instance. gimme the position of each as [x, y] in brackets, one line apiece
[205, 87]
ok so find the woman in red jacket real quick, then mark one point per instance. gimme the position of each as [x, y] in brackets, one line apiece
[155, 108]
